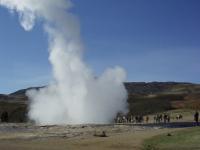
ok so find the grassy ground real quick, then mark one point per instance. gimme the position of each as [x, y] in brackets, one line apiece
[187, 139]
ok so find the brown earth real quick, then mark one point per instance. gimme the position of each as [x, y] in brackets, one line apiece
[122, 137]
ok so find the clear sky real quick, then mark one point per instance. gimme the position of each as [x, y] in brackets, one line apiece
[154, 40]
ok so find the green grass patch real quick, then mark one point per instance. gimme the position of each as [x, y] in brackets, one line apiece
[188, 139]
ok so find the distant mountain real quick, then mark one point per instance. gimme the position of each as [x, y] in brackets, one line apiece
[22, 92]
[160, 87]
[142, 88]
[144, 98]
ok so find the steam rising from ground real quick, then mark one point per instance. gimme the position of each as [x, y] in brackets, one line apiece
[75, 95]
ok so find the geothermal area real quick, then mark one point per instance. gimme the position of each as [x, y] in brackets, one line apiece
[79, 110]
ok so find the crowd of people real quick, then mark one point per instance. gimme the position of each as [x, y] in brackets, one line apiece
[130, 119]
[157, 118]
[162, 118]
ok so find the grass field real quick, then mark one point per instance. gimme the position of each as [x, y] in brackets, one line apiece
[188, 139]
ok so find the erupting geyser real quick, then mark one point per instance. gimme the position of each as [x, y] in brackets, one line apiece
[75, 96]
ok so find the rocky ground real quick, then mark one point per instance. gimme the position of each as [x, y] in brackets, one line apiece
[29, 136]
[31, 132]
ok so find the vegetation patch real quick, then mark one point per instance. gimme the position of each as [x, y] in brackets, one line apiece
[187, 139]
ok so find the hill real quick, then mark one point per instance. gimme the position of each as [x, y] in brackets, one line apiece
[144, 98]
[147, 98]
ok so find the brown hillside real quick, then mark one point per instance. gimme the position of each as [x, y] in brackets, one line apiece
[144, 98]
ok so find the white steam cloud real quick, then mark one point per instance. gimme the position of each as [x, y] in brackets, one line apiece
[75, 96]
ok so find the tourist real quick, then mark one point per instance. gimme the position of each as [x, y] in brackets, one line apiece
[196, 117]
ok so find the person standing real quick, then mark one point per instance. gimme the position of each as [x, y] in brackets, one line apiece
[4, 116]
[196, 117]
[147, 119]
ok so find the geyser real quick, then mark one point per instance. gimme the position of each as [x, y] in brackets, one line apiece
[75, 96]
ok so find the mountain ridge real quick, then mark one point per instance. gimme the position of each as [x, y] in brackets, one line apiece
[130, 86]
[163, 96]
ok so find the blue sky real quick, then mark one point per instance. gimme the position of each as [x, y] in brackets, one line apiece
[154, 40]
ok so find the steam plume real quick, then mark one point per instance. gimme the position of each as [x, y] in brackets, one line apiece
[74, 96]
